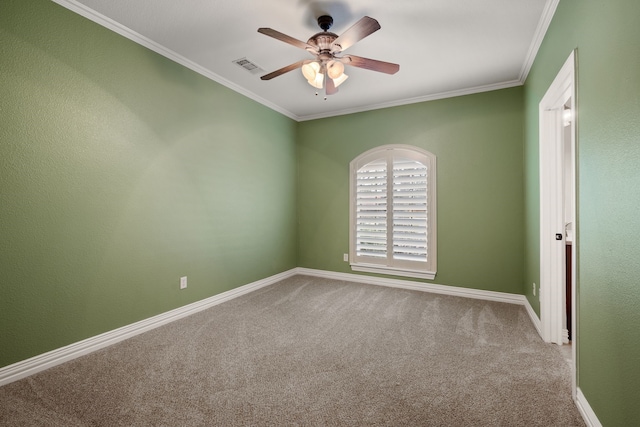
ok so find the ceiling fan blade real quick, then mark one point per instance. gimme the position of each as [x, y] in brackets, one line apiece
[370, 64]
[283, 70]
[354, 34]
[331, 86]
[287, 39]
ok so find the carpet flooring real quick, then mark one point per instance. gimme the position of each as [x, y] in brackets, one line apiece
[308, 351]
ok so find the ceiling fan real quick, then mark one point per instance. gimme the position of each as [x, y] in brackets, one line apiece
[328, 66]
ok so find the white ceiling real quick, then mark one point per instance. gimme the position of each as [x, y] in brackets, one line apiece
[444, 47]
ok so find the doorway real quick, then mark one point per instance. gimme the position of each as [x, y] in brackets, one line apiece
[558, 239]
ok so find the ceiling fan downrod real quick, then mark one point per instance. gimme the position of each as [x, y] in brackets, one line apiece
[325, 22]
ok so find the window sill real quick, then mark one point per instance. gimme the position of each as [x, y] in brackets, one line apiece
[430, 275]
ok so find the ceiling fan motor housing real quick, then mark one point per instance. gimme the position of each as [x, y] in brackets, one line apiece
[323, 41]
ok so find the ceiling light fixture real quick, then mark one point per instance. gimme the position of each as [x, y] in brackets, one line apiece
[315, 73]
[327, 69]
[567, 116]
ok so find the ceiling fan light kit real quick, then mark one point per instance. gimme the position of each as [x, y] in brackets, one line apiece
[335, 69]
[314, 72]
[326, 46]
[310, 69]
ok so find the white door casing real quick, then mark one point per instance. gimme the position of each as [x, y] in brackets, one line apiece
[552, 214]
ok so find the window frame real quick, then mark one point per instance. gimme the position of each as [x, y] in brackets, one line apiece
[389, 266]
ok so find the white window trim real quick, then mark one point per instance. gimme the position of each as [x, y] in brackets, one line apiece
[356, 263]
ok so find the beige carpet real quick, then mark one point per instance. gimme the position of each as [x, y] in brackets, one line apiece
[309, 351]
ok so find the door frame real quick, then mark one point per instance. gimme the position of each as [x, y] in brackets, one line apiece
[552, 218]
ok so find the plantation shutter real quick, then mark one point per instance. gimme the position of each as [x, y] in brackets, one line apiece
[410, 216]
[371, 209]
[393, 212]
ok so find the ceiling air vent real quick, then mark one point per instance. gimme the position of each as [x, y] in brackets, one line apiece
[248, 65]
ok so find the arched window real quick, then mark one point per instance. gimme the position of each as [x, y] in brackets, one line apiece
[393, 212]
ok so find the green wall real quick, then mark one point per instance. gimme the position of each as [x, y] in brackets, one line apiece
[121, 171]
[478, 143]
[607, 38]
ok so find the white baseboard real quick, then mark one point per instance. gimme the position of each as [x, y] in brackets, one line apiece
[430, 287]
[61, 355]
[585, 410]
[533, 316]
[418, 286]
[56, 357]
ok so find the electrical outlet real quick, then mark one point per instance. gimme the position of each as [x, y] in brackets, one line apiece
[534, 289]
[345, 257]
[183, 282]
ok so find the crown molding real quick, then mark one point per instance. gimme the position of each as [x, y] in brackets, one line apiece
[407, 101]
[98, 18]
[541, 30]
[138, 38]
